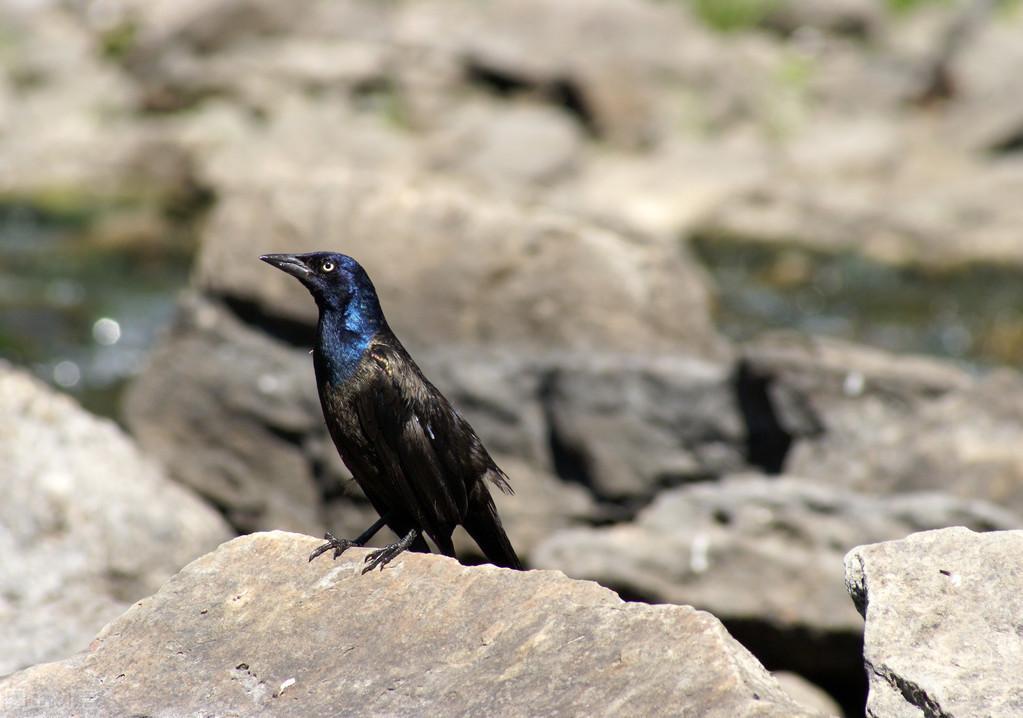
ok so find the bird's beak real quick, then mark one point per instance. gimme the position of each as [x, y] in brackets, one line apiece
[289, 263]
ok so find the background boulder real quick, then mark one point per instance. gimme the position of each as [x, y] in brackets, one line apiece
[87, 524]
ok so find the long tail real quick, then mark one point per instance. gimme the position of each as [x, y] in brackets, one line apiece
[484, 525]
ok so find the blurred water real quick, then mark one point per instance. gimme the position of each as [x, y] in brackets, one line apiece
[79, 312]
[973, 313]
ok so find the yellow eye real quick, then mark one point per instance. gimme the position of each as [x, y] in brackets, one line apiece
[327, 266]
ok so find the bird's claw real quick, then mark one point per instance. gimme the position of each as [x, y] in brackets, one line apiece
[381, 557]
[333, 542]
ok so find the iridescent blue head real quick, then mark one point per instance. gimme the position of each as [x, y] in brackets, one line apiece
[340, 286]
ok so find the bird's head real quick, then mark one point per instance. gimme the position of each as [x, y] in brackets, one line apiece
[335, 280]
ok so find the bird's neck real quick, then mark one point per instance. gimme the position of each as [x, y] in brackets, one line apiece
[344, 334]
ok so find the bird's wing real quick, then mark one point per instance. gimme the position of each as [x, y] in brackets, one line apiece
[404, 417]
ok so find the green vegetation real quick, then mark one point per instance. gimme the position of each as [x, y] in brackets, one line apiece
[903, 6]
[118, 41]
[732, 15]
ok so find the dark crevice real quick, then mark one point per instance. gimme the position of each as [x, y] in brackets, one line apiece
[288, 436]
[1011, 144]
[570, 460]
[833, 661]
[567, 95]
[241, 519]
[497, 81]
[561, 92]
[767, 441]
[289, 331]
[911, 692]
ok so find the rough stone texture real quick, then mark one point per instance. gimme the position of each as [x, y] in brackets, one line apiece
[942, 633]
[880, 423]
[253, 629]
[472, 269]
[87, 525]
[707, 544]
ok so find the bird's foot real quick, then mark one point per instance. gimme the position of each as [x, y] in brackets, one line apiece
[333, 542]
[382, 557]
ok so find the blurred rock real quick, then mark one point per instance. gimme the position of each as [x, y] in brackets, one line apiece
[938, 210]
[984, 86]
[522, 145]
[708, 544]
[859, 18]
[627, 426]
[601, 59]
[228, 410]
[541, 505]
[884, 424]
[806, 693]
[942, 633]
[87, 524]
[65, 138]
[474, 269]
[663, 192]
[254, 627]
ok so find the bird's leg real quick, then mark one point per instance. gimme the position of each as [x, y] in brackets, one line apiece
[342, 545]
[384, 556]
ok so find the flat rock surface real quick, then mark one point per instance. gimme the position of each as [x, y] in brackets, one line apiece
[87, 524]
[943, 611]
[253, 629]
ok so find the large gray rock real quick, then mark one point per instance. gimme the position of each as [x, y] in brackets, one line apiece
[87, 524]
[943, 623]
[254, 629]
[627, 426]
[708, 544]
[878, 423]
[233, 413]
[473, 269]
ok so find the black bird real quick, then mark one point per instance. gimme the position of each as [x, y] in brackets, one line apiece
[420, 464]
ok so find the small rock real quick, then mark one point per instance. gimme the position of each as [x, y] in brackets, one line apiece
[943, 623]
[806, 693]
